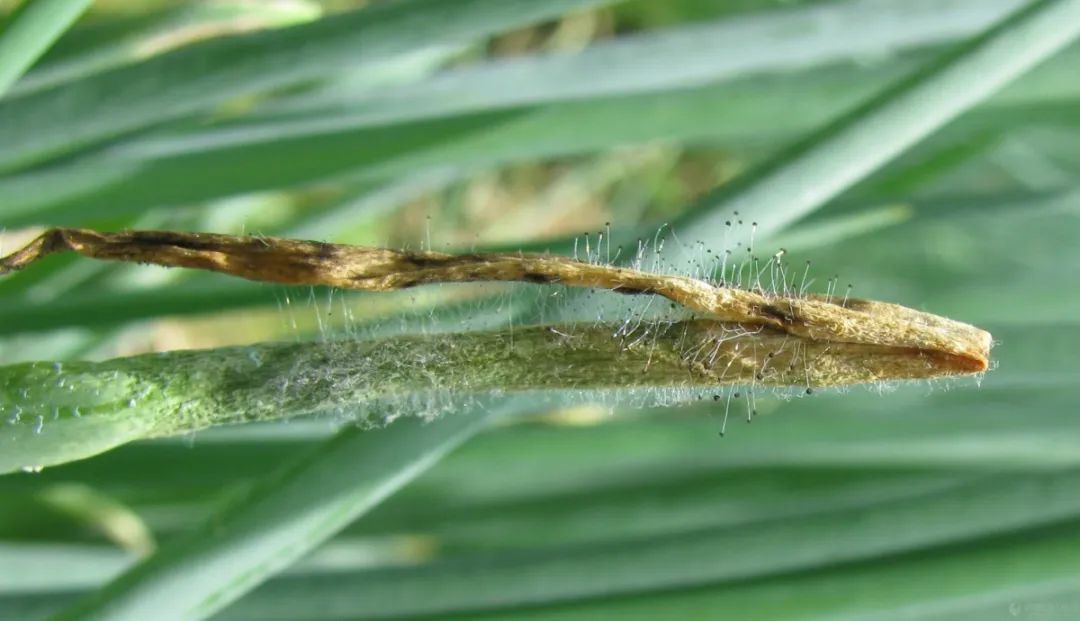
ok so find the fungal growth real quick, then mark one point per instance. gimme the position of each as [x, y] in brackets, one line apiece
[716, 327]
[777, 336]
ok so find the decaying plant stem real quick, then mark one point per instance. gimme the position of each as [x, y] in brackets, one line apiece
[52, 413]
[933, 345]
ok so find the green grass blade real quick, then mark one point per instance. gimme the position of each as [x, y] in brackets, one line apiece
[1027, 573]
[561, 470]
[154, 170]
[715, 555]
[1029, 563]
[73, 115]
[30, 32]
[832, 159]
[698, 54]
[282, 518]
[110, 43]
[53, 413]
[26, 568]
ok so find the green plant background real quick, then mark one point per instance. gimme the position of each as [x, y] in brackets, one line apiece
[856, 131]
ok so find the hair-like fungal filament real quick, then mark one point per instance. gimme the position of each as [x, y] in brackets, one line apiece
[737, 335]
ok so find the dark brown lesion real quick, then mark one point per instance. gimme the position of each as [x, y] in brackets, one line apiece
[632, 290]
[156, 239]
[324, 251]
[785, 317]
[423, 261]
[538, 279]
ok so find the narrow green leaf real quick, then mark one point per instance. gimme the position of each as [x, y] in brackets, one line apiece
[26, 567]
[678, 559]
[999, 575]
[1025, 574]
[832, 159]
[666, 59]
[155, 170]
[118, 40]
[73, 115]
[547, 466]
[52, 413]
[282, 518]
[30, 32]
